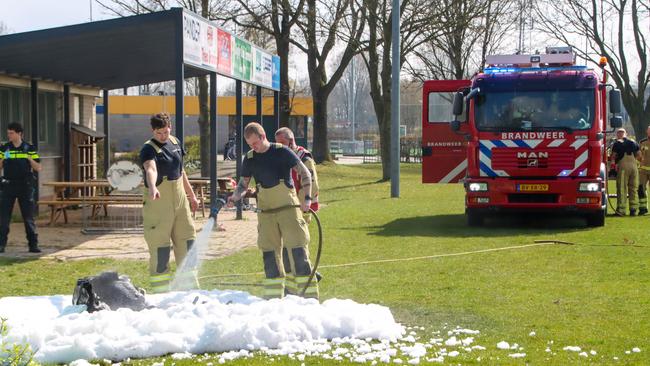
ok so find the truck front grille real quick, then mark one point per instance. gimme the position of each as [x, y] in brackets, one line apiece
[532, 198]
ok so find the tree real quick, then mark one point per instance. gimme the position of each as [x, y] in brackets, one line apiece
[615, 29]
[470, 30]
[320, 28]
[4, 29]
[275, 18]
[419, 20]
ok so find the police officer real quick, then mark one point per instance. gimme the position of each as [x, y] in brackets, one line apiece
[625, 153]
[19, 161]
[280, 222]
[166, 212]
[644, 173]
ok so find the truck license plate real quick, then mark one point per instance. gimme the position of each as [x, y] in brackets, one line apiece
[532, 187]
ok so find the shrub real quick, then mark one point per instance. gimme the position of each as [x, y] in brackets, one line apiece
[13, 354]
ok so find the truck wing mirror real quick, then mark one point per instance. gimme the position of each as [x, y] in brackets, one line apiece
[615, 101]
[616, 122]
[459, 101]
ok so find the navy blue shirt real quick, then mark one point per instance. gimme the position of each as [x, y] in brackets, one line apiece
[169, 160]
[624, 147]
[15, 165]
[269, 167]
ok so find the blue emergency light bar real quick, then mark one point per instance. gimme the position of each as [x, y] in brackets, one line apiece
[503, 70]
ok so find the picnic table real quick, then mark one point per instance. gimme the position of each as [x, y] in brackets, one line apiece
[99, 194]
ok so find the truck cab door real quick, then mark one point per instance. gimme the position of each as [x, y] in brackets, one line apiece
[444, 152]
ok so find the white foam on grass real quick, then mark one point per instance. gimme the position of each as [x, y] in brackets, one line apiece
[193, 322]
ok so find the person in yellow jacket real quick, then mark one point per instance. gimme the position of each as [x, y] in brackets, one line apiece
[644, 173]
[167, 218]
[625, 153]
[280, 221]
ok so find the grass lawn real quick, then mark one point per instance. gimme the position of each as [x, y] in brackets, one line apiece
[594, 294]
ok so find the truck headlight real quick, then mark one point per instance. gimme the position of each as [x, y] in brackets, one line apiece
[589, 187]
[478, 187]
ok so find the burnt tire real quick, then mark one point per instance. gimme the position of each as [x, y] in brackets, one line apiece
[474, 218]
[596, 219]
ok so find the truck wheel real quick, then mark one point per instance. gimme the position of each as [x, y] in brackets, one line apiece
[596, 219]
[474, 219]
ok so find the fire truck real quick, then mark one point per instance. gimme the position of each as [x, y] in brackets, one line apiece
[527, 134]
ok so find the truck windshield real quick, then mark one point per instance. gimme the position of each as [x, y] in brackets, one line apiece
[566, 110]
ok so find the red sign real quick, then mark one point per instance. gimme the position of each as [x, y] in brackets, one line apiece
[224, 55]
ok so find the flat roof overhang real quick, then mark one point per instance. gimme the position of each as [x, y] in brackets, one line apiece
[108, 54]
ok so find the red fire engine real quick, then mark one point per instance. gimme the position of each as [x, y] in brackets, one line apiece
[528, 135]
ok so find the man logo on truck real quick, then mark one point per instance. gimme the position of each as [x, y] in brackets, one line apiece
[532, 155]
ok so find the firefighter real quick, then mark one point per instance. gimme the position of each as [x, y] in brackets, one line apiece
[166, 212]
[644, 173]
[625, 153]
[286, 137]
[19, 162]
[280, 222]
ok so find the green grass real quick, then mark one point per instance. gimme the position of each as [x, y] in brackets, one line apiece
[595, 294]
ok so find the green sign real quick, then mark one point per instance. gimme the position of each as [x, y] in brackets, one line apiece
[242, 59]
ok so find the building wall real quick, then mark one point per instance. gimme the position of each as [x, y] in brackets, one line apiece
[16, 91]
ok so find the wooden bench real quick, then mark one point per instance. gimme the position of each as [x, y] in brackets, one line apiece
[59, 206]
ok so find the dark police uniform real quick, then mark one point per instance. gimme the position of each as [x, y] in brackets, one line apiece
[279, 224]
[18, 183]
[627, 178]
[167, 220]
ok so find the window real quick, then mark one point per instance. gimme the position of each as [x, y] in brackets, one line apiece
[535, 110]
[50, 117]
[440, 107]
[14, 107]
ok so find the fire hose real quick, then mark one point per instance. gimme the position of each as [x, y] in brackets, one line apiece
[214, 211]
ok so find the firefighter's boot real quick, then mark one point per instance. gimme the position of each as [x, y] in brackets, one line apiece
[290, 286]
[159, 275]
[274, 281]
[299, 258]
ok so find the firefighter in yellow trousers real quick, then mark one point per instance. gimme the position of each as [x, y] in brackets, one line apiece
[280, 221]
[285, 136]
[644, 173]
[625, 153]
[167, 218]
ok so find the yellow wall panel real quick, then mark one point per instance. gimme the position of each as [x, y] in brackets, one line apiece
[150, 104]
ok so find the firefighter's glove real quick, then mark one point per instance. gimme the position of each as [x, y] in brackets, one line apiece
[314, 206]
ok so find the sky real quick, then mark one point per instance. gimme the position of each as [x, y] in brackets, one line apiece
[28, 15]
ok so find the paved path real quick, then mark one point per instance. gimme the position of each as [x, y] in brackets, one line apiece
[66, 242]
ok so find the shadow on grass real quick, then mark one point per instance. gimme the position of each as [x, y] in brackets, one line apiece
[455, 225]
[353, 185]
[9, 261]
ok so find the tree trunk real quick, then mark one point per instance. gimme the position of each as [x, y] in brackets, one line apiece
[204, 126]
[283, 44]
[639, 116]
[321, 146]
[385, 142]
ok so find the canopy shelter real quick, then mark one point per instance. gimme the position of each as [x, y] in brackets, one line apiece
[112, 54]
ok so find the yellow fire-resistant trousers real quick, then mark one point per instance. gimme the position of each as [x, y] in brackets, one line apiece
[644, 178]
[167, 221]
[627, 184]
[283, 228]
